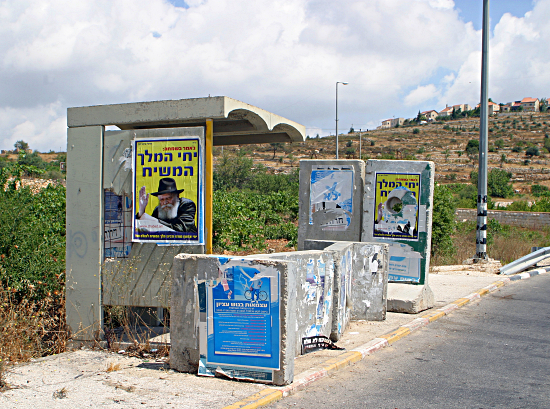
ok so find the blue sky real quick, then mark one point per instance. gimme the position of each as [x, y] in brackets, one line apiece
[285, 56]
[472, 10]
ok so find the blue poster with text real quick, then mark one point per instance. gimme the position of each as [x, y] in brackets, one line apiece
[243, 317]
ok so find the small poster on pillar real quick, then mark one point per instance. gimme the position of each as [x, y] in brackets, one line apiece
[168, 190]
[331, 198]
[396, 206]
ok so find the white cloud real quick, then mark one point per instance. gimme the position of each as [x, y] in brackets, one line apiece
[282, 55]
[421, 94]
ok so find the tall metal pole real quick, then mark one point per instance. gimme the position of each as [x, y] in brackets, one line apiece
[343, 83]
[359, 143]
[481, 229]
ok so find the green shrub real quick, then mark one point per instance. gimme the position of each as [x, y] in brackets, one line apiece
[32, 241]
[472, 148]
[540, 190]
[498, 182]
[443, 223]
[532, 151]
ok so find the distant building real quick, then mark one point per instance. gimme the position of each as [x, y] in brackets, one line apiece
[447, 111]
[492, 107]
[392, 123]
[530, 104]
[430, 115]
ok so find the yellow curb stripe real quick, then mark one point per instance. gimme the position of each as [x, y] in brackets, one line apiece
[343, 360]
[483, 292]
[436, 315]
[430, 314]
[498, 283]
[461, 301]
[261, 398]
[396, 335]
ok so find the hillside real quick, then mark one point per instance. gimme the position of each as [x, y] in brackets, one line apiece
[442, 142]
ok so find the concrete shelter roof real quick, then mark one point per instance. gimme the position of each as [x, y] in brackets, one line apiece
[235, 122]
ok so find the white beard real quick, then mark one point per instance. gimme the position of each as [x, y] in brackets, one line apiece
[168, 213]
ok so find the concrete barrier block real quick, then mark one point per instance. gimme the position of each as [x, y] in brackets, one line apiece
[314, 292]
[342, 253]
[369, 279]
[234, 317]
[398, 206]
[331, 195]
[369, 283]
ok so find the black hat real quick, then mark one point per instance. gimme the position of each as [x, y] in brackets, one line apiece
[167, 185]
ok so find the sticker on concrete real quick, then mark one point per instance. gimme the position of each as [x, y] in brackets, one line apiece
[331, 198]
[311, 344]
[396, 206]
[404, 263]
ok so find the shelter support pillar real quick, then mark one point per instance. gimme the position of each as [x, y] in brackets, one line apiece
[84, 249]
[209, 182]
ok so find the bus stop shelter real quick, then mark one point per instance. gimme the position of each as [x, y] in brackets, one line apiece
[138, 274]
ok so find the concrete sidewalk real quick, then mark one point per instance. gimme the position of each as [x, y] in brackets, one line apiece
[87, 378]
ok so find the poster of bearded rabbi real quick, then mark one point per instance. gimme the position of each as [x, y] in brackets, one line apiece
[168, 191]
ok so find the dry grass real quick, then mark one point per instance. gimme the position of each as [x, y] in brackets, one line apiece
[30, 329]
[507, 244]
[112, 367]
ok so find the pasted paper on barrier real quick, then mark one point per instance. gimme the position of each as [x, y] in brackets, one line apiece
[117, 209]
[168, 190]
[331, 198]
[396, 206]
[240, 329]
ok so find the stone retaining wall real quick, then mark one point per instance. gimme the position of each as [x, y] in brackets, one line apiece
[531, 220]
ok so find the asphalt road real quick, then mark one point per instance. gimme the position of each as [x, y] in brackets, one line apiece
[494, 353]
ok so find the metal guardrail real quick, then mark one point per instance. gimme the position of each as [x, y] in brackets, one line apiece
[525, 262]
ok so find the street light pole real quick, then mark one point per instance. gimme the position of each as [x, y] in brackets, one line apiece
[343, 83]
[481, 230]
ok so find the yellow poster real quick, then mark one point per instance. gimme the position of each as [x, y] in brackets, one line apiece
[396, 205]
[168, 190]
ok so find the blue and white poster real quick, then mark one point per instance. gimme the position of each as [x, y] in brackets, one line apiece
[331, 198]
[242, 328]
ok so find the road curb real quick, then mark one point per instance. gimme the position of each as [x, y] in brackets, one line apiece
[306, 378]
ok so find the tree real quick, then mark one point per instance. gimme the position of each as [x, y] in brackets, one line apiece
[350, 152]
[21, 145]
[420, 117]
[543, 105]
[498, 182]
[472, 148]
[349, 143]
[532, 151]
[232, 172]
[502, 160]
[276, 146]
[351, 130]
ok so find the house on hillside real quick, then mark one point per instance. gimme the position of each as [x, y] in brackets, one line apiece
[492, 107]
[392, 123]
[462, 107]
[447, 111]
[386, 123]
[430, 115]
[530, 104]
[516, 105]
